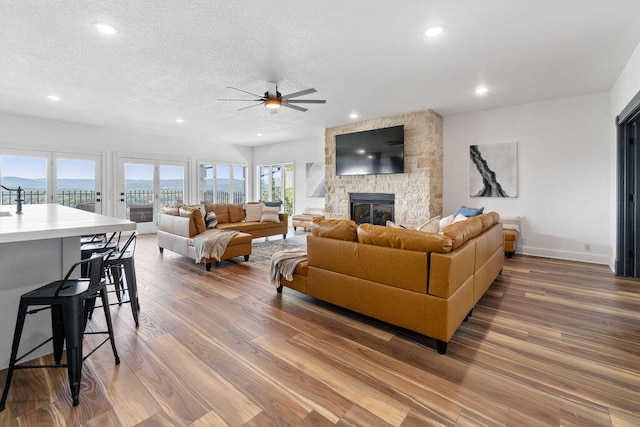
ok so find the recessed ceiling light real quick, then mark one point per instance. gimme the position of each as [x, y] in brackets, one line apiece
[353, 115]
[53, 97]
[434, 31]
[481, 90]
[258, 134]
[105, 28]
[179, 120]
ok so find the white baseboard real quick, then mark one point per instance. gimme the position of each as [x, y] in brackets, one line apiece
[590, 257]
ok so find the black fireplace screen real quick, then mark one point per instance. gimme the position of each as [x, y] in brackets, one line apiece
[372, 208]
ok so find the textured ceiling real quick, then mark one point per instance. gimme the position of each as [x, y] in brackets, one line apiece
[175, 58]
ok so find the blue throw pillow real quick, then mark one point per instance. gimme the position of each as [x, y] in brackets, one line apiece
[469, 211]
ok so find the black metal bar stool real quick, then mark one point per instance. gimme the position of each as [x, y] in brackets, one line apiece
[68, 300]
[122, 261]
[88, 249]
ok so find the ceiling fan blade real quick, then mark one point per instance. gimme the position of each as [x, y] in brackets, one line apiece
[250, 106]
[233, 99]
[273, 90]
[295, 107]
[306, 101]
[300, 93]
[240, 90]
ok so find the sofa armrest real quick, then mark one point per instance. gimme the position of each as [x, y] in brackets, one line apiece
[285, 218]
[178, 225]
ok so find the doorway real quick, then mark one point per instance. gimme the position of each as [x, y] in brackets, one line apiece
[628, 233]
[145, 186]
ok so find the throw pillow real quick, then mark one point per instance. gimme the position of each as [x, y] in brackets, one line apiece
[458, 218]
[431, 226]
[469, 211]
[394, 225]
[210, 220]
[447, 220]
[254, 212]
[270, 214]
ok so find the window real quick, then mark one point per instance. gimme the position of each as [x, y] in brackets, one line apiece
[276, 184]
[222, 183]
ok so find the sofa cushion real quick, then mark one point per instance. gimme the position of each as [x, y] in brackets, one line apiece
[270, 214]
[196, 217]
[488, 219]
[171, 210]
[221, 210]
[253, 211]
[341, 229]
[236, 212]
[460, 232]
[398, 238]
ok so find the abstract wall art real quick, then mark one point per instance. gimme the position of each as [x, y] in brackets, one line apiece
[493, 170]
[315, 179]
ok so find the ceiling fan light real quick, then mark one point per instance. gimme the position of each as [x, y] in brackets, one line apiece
[272, 103]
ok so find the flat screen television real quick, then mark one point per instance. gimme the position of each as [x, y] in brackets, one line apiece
[376, 151]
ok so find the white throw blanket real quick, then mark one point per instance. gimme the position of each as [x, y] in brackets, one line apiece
[212, 243]
[284, 263]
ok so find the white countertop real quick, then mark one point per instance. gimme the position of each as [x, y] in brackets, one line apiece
[50, 221]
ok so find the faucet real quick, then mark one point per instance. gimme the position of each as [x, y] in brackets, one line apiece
[19, 200]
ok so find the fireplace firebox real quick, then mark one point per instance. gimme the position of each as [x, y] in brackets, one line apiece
[372, 208]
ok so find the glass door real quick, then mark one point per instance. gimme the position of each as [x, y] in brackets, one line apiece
[145, 186]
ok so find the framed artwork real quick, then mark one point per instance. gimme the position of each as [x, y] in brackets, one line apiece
[493, 170]
[315, 179]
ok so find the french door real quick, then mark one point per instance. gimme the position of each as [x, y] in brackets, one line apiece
[145, 186]
[69, 179]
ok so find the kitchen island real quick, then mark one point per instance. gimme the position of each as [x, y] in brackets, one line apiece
[38, 247]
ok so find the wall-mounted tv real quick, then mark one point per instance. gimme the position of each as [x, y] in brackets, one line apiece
[376, 151]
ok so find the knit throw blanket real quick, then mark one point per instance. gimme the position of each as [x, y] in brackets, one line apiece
[212, 243]
[284, 263]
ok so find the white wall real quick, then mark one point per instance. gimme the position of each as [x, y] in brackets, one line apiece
[21, 132]
[564, 180]
[299, 153]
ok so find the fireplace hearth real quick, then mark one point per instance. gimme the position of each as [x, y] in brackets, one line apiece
[372, 208]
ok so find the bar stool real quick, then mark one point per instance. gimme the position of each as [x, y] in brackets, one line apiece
[122, 261]
[67, 299]
[88, 249]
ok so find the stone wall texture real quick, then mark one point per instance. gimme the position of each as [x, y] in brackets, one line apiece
[418, 191]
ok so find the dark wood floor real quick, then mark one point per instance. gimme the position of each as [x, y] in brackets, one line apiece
[551, 343]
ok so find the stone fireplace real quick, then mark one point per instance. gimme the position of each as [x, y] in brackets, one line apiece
[417, 192]
[372, 208]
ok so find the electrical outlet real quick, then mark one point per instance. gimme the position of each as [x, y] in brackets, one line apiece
[524, 241]
[587, 247]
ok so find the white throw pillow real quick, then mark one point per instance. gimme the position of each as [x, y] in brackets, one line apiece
[270, 214]
[459, 218]
[447, 220]
[253, 211]
[431, 226]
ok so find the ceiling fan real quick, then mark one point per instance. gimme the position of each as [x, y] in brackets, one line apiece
[273, 99]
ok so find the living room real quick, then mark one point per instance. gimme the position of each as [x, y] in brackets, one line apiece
[566, 156]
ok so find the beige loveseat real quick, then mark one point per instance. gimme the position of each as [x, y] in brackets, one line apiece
[178, 226]
[424, 282]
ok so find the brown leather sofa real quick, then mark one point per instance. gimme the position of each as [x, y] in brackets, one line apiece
[178, 226]
[424, 282]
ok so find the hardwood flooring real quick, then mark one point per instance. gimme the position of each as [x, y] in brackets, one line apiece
[551, 343]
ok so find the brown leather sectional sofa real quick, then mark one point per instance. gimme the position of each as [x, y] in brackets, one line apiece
[424, 282]
[176, 229]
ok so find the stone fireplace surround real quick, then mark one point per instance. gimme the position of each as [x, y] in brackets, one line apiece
[418, 191]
